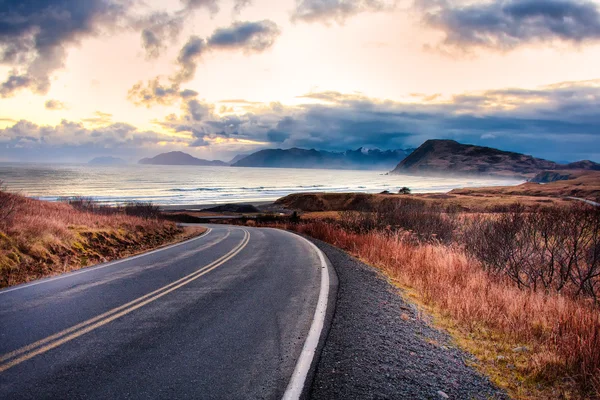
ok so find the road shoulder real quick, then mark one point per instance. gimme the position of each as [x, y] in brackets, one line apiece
[379, 346]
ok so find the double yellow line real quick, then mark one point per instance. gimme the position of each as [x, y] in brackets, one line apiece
[25, 353]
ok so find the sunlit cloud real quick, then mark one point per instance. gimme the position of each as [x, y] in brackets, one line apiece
[55, 105]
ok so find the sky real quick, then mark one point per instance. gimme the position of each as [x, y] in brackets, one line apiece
[217, 78]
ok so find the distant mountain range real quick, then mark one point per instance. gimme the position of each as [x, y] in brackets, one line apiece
[180, 158]
[372, 159]
[448, 157]
[434, 157]
[107, 161]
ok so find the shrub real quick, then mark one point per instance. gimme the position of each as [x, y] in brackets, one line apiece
[426, 221]
[551, 248]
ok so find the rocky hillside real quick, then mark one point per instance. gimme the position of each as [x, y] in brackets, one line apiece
[448, 157]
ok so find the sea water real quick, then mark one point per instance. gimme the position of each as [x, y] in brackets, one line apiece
[189, 185]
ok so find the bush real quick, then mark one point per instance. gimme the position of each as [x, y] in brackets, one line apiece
[426, 221]
[550, 248]
[144, 210]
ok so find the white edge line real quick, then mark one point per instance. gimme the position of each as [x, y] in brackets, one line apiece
[100, 266]
[298, 380]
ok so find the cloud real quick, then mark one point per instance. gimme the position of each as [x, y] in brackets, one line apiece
[54, 105]
[239, 5]
[189, 56]
[507, 24]
[73, 141]
[34, 36]
[99, 118]
[531, 121]
[68, 133]
[157, 30]
[327, 11]
[210, 5]
[558, 122]
[249, 36]
[246, 36]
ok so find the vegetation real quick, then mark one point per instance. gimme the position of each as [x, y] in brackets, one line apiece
[39, 238]
[518, 288]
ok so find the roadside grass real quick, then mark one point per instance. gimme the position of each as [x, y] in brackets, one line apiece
[534, 344]
[39, 239]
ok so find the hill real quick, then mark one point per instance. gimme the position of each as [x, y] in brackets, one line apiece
[107, 161]
[180, 158]
[300, 158]
[448, 157]
[561, 183]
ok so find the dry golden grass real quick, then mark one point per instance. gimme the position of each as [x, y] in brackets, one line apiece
[489, 316]
[584, 184]
[39, 238]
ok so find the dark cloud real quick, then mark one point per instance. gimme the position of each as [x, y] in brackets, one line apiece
[158, 30]
[558, 122]
[34, 36]
[54, 104]
[189, 56]
[337, 10]
[197, 111]
[249, 36]
[505, 24]
[246, 36]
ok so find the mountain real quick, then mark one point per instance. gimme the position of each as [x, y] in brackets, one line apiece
[237, 158]
[300, 158]
[448, 157]
[107, 161]
[180, 158]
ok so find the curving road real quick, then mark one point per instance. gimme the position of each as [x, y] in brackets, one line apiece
[225, 315]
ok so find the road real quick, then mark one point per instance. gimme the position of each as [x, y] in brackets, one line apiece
[225, 315]
[590, 202]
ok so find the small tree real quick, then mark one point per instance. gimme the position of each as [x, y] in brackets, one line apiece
[295, 218]
[404, 190]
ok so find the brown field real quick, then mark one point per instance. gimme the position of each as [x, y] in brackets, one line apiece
[39, 239]
[583, 184]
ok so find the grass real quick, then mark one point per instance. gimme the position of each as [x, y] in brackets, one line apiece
[533, 344]
[39, 239]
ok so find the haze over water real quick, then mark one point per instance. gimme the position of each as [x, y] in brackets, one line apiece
[187, 185]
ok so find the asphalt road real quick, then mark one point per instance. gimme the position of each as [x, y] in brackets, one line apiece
[222, 316]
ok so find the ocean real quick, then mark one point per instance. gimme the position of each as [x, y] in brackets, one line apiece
[189, 185]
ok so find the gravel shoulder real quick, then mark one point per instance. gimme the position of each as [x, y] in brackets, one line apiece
[379, 347]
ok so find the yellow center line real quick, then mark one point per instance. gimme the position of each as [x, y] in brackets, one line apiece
[104, 315]
[78, 330]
